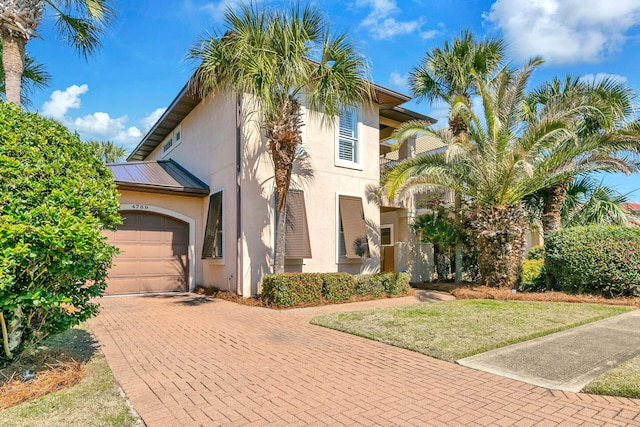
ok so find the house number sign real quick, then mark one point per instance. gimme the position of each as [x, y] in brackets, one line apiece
[141, 207]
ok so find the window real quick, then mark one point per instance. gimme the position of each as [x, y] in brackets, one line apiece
[353, 242]
[297, 243]
[347, 149]
[167, 145]
[212, 247]
[386, 235]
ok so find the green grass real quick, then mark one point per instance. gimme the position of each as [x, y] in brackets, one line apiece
[452, 330]
[623, 380]
[95, 401]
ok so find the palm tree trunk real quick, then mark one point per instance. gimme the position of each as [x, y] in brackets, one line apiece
[551, 220]
[284, 136]
[500, 233]
[13, 63]
[556, 195]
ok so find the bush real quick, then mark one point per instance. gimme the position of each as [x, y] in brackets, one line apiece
[56, 197]
[532, 278]
[602, 260]
[289, 289]
[370, 285]
[338, 287]
[396, 283]
[536, 252]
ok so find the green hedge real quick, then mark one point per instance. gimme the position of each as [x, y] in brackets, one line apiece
[338, 287]
[536, 253]
[291, 289]
[603, 260]
[370, 285]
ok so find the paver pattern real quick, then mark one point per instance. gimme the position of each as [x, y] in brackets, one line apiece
[185, 360]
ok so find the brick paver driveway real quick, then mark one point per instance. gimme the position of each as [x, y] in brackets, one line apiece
[186, 360]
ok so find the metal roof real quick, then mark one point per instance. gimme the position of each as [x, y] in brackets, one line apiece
[162, 176]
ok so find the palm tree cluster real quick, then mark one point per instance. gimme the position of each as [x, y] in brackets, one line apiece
[523, 144]
[271, 58]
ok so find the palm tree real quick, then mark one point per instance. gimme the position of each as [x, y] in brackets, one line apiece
[80, 22]
[508, 160]
[603, 124]
[108, 151]
[447, 74]
[275, 57]
[34, 77]
[587, 202]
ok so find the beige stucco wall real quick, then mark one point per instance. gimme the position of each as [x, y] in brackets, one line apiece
[321, 195]
[208, 150]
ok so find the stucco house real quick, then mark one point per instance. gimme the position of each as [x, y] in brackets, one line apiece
[197, 198]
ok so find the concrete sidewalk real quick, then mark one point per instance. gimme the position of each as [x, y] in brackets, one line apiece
[566, 360]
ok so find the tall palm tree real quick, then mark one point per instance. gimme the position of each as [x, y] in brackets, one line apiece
[604, 124]
[108, 151]
[34, 77]
[79, 22]
[276, 56]
[507, 160]
[446, 74]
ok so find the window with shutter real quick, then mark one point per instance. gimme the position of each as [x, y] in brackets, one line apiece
[297, 243]
[212, 247]
[353, 242]
[347, 149]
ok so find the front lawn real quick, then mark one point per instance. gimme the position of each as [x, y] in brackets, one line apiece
[452, 330]
[93, 401]
[623, 380]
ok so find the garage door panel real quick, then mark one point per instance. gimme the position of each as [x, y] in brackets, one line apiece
[153, 254]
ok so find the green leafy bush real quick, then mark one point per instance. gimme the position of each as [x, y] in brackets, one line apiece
[55, 197]
[370, 285]
[532, 278]
[338, 287]
[536, 252]
[396, 283]
[602, 260]
[289, 289]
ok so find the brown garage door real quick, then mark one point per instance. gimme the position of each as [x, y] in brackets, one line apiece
[153, 254]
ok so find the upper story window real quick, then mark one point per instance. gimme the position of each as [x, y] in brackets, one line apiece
[172, 140]
[348, 144]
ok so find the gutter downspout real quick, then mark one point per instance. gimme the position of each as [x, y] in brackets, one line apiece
[239, 258]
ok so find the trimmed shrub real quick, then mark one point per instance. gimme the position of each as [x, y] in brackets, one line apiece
[338, 287]
[56, 197]
[396, 283]
[536, 252]
[289, 289]
[602, 260]
[370, 285]
[532, 278]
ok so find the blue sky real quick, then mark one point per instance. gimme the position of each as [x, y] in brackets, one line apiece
[119, 93]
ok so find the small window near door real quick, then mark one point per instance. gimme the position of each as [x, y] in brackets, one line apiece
[213, 235]
[386, 235]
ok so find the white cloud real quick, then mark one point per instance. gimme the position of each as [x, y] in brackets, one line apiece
[381, 23]
[601, 76]
[565, 31]
[217, 9]
[399, 80]
[152, 118]
[61, 101]
[98, 125]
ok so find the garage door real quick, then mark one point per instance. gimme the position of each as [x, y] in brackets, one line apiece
[153, 254]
